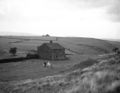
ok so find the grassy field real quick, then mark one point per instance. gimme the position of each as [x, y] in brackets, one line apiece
[81, 49]
[101, 77]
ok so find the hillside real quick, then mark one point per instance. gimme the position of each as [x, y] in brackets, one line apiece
[88, 60]
[79, 45]
[102, 77]
[78, 49]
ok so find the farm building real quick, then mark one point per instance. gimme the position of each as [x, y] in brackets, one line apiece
[51, 51]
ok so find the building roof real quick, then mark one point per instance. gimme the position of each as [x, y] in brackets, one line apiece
[54, 46]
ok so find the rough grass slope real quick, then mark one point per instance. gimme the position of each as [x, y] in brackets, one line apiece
[102, 77]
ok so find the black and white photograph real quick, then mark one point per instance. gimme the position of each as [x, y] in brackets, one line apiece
[59, 46]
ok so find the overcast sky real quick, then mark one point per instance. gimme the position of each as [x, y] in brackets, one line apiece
[86, 18]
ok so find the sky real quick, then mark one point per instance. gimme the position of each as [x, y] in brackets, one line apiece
[80, 18]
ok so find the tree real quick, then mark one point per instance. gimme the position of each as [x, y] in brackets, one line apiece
[47, 35]
[13, 51]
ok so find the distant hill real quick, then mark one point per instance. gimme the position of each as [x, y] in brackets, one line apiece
[88, 45]
[78, 45]
[11, 33]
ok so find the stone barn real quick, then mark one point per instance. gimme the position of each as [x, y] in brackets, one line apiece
[51, 51]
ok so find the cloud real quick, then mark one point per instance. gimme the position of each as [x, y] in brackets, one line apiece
[53, 16]
[17, 7]
[112, 6]
[2, 10]
[10, 10]
[114, 10]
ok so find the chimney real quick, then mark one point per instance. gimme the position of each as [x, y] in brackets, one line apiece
[51, 41]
